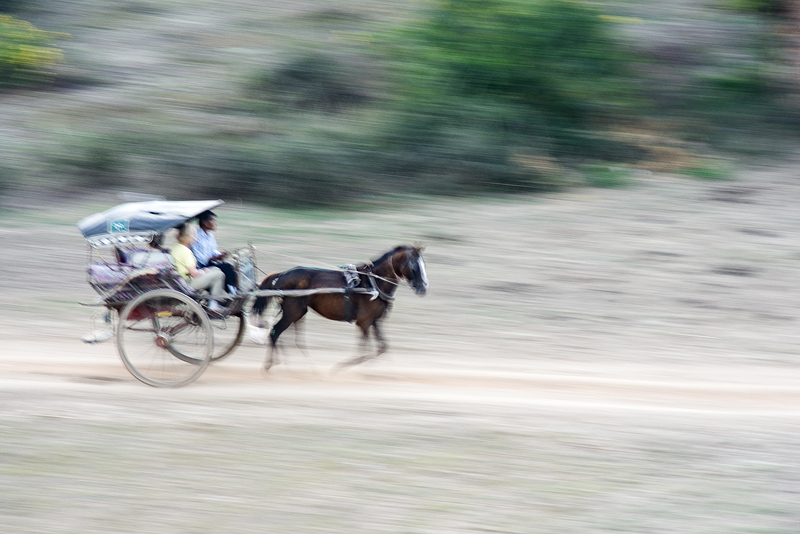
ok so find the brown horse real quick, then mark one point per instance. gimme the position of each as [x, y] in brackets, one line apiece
[365, 299]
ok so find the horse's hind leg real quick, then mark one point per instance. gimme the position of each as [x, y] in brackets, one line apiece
[292, 311]
[299, 337]
[270, 360]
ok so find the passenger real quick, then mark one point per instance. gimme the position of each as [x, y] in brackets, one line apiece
[207, 253]
[155, 254]
[210, 278]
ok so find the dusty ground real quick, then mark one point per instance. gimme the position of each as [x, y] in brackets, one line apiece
[593, 361]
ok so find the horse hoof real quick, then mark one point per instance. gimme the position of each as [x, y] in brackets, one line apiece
[340, 367]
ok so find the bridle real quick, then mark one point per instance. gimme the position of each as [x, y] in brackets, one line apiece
[372, 277]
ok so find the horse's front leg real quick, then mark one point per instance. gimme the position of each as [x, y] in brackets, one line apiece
[365, 356]
[382, 346]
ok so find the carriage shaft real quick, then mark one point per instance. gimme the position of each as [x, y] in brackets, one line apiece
[306, 292]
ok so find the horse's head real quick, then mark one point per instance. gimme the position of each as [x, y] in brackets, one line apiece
[408, 263]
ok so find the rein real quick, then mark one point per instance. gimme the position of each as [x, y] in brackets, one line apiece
[324, 265]
[373, 275]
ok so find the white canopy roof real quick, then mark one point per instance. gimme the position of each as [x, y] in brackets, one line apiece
[139, 221]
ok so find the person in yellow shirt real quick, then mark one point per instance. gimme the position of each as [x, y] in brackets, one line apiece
[209, 278]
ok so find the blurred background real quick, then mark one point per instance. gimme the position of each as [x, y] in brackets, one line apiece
[609, 195]
[318, 103]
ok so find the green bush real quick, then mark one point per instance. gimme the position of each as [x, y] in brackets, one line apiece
[5, 180]
[554, 56]
[288, 171]
[759, 6]
[195, 167]
[309, 82]
[8, 6]
[89, 160]
[481, 96]
[482, 84]
[606, 177]
[712, 171]
[26, 57]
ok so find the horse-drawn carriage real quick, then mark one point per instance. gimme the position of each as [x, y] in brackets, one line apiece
[165, 333]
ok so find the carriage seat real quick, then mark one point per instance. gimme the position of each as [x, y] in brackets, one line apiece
[120, 281]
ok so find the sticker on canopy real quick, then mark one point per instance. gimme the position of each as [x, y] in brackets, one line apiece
[116, 227]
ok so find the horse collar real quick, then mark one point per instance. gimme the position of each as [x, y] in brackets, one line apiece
[382, 294]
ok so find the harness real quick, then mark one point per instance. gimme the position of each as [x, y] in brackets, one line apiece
[352, 279]
[377, 293]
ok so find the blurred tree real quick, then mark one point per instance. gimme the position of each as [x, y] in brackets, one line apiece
[761, 6]
[488, 80]
[7, 6]
[552, 55]
[26, 54]
[5, 179]
[91, 160]
[310, 82]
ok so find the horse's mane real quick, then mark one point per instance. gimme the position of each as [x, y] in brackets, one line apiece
[389, 254]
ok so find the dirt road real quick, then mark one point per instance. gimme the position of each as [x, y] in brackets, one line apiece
[592, 361]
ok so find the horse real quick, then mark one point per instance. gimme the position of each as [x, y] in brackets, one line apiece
[365, 295]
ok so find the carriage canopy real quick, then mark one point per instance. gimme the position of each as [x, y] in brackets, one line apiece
[138, 222]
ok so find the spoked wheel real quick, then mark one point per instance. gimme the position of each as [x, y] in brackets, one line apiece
[165, 338]
[228, 334]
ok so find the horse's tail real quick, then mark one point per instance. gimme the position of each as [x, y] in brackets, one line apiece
[261, 302]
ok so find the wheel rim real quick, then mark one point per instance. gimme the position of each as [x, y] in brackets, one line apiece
[164, 338]
[228, 334]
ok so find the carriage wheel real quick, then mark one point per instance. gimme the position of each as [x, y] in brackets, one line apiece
[165, 338]
[228, 334]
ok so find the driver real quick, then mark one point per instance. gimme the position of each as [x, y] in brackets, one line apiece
[207, 253]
